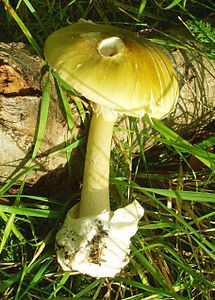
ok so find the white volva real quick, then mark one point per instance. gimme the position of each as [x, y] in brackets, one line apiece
[98, 245]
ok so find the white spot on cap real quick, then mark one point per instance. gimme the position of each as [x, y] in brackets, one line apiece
[111, 46]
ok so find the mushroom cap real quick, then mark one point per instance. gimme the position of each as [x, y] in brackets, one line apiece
[114, 68]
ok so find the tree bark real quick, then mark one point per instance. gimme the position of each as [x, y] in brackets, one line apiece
[22, 77]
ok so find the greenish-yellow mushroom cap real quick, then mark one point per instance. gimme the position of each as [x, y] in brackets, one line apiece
[114, 68]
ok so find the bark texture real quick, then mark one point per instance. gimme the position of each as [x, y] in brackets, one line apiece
[22, 78]
[21, 82]
[196, 104]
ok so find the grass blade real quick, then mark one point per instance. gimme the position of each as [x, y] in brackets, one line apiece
[24, 29]
[30, 212]
[43, 116]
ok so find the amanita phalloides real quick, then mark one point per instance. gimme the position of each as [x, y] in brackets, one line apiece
[121, 73]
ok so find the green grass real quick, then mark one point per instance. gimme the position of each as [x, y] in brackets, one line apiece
[173, 253]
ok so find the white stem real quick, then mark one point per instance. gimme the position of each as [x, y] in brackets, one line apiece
[95, 190]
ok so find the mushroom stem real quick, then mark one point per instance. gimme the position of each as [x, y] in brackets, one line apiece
[95, 189]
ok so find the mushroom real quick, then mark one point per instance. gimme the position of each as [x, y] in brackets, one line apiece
[121, 73]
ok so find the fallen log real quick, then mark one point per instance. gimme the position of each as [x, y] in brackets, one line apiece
[22, 77]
